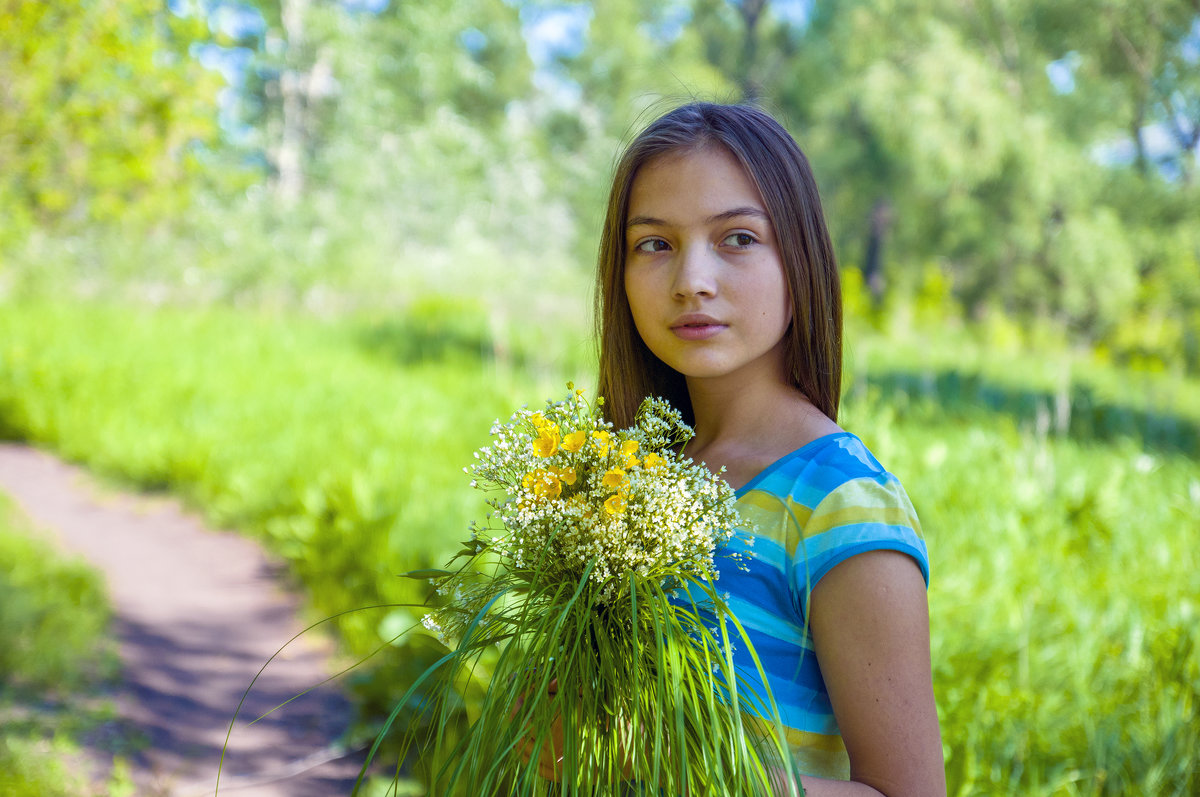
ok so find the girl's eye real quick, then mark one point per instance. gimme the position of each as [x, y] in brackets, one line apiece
[739, 239]
[650, 245]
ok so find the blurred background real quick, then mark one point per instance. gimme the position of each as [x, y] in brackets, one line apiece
[288, 260]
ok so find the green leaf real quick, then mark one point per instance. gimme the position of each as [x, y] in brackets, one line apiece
[424, 575]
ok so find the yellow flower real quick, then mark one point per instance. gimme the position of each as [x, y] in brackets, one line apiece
[652, 460]
[544, 484]
[615, 504]
[567, 475]
[580, 502]
[542, 425]
[627, 449]
[613, 479]
[547, 442]
[547, 485]
[574, 441]
[603, 441]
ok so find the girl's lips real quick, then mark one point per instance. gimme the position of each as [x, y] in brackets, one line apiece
[698, 331]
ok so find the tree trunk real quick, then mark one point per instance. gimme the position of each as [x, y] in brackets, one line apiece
[872, 268]
[1140, 162]
[290, 155]
[750, 10]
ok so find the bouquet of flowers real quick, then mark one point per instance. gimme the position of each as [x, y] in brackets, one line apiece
[592, 586]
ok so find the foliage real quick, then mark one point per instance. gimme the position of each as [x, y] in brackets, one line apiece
[1062, 592]
[1140, 57]
[100, 110]
[323, 82]
[29, 767]
[1027, 375]
[938, 136]
[376, 149]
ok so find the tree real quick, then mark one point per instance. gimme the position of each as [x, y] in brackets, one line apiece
[319, 69]
[1142, 57]
[100, 109]
[933, 125]
[746, 41]
[630, 62]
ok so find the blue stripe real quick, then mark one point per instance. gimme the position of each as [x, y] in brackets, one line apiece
[769, 596]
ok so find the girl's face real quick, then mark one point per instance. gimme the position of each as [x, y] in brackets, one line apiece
[703, 273]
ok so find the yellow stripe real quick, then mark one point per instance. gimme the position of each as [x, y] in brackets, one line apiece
[774, 518]
[895, 516]
[820, 754]
[863, 500]
[762, 502]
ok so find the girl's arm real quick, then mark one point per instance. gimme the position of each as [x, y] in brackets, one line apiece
[870, 625]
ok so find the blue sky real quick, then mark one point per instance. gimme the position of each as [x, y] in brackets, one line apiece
[561, 29]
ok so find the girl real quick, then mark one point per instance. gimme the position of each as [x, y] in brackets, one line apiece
[717, 289]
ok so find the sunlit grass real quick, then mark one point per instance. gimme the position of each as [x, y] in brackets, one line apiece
[56, 652]
[1063, 567]
[1062, 596]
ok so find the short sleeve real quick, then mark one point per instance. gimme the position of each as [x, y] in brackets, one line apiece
[868, 513]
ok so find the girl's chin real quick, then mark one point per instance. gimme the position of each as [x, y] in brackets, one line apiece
[701, 371]
[718, 368]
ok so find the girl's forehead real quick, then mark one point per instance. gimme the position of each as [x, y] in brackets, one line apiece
[698, 157]
[706, 179]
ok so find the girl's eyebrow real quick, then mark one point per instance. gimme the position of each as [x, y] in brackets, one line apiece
[748, 210]
[724, 215]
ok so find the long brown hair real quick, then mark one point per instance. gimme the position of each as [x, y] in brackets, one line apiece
[629, 372]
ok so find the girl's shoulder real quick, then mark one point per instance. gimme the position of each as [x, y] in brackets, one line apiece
[832, 499]
[826, 462]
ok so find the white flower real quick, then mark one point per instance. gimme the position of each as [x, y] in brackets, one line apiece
[599, 504]
[430, 622]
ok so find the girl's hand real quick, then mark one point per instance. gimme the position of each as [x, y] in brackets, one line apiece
[549, 763]
[550, 757]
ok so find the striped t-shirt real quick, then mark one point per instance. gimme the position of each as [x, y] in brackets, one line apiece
[814, 508]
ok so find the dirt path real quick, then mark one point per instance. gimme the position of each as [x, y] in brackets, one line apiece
[197, 613]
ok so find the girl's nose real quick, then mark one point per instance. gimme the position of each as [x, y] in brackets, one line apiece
[694, 273]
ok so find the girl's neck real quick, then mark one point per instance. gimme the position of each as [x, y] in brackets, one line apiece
[746, 426]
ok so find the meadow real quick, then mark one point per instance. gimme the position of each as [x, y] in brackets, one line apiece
[289, 260]
[1060, 496]
[53, 665]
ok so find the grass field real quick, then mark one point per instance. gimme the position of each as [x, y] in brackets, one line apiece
[55, 656]
[1061, 511]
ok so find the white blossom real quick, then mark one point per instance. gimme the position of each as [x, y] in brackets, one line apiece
[576, 493]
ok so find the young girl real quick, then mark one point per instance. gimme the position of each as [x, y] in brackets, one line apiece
[718, 290]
